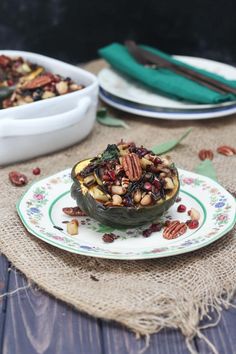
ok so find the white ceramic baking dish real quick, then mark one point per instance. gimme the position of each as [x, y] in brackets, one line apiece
[45, 126]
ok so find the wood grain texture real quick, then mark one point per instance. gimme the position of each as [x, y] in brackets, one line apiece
[119, 340]
[35, 323]
[223, 336]
[4, 275]
[38, 324]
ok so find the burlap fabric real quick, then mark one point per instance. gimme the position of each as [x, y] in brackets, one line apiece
[144, 295]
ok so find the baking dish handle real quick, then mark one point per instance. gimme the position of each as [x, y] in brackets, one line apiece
[23, 127]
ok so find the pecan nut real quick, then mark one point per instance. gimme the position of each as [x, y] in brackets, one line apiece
[132, 166]
[39, 81]
[4, 61]
[205, 154]
[18, 179]
[174, 229]
[74, 211]
[109, 238]
[226, 150]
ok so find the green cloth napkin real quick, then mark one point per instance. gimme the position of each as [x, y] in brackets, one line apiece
[164, 81]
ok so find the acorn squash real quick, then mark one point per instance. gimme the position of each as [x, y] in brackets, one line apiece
[106, 190]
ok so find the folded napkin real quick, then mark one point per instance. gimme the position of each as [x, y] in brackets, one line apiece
[165, 81]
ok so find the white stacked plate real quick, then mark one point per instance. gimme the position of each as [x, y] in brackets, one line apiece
[130, 96]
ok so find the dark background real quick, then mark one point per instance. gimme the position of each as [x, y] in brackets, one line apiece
[73, 30]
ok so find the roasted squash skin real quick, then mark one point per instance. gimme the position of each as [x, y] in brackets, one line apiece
[117, 216]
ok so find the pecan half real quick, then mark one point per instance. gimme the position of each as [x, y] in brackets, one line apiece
[205, 154]
[18, 179]
[132, 166]
[75, 211]
[4, 61]
[39, 81]
[109, 238]
[226, 150]
[174, 229]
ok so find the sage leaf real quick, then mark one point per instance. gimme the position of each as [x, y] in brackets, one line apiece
[111, 153]
[105, 119]
[169, 145]
[104, 228]
[102, 112]
[206, 168]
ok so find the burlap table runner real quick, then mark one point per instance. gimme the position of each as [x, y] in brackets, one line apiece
[144, 295]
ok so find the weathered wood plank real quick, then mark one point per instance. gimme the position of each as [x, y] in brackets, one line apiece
[4, 264]
[38, 324]
[119, 340]
[35, 323]
[223, 336]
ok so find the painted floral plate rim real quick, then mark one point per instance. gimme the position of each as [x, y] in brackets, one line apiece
[40, 210]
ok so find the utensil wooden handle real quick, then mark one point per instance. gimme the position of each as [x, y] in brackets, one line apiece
[143, 55]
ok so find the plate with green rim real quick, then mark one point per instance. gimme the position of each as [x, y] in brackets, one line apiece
[40, 210]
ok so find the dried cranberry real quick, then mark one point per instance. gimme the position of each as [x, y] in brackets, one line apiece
[56, 78]
[141, 151]
[181, 208]
[109, 238]
[178, 199]
[156, 227]
[156, 161]
[112, 175]
[153, 169]
[147, 186]
[192, 224]
[36, 171]
[156, 183]
[18, 179]
[127, 201]
[106, 178]
[147, 232]
[10, 82]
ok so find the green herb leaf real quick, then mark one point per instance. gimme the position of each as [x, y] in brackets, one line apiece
[169, 145]
[102, 112]
[206, 168]
[104, 228]
[111, 152]
[104, 119]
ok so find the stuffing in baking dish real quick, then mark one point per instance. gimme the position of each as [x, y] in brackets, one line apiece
[24, 82]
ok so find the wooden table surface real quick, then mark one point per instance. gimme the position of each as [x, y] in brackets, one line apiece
[33, 322]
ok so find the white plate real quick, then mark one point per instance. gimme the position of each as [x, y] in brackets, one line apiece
[184, 115]
[40, 209]
[126, 92]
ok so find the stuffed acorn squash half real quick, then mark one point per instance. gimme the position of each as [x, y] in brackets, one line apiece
[125, 186]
